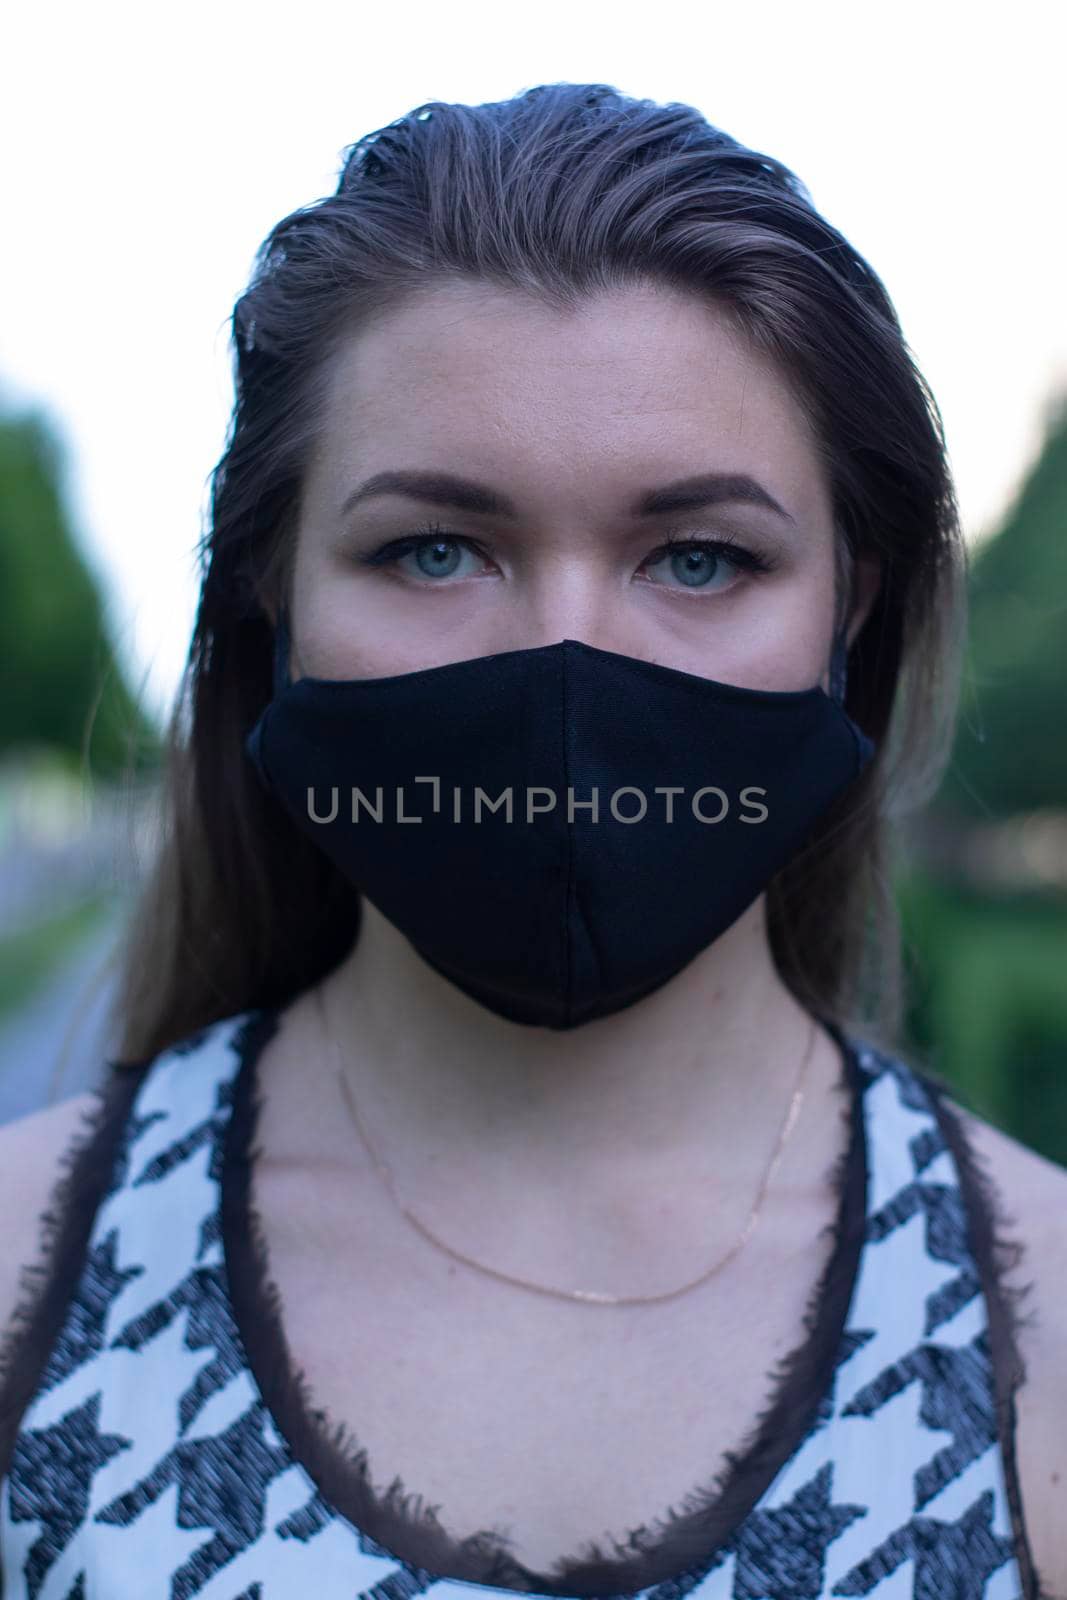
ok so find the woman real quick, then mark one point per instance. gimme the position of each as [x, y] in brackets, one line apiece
[509, 1104]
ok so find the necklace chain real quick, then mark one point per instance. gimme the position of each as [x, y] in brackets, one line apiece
[589, 1295]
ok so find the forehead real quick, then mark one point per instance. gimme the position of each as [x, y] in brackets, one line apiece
[468, 372]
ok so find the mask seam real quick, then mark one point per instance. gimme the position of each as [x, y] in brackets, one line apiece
[568, 845]
[281, 652]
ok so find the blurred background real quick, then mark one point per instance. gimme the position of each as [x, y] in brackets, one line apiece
[150, 151]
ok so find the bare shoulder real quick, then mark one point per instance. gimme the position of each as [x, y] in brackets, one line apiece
[32, 1149]
[1031, 1195]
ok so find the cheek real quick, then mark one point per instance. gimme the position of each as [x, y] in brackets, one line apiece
[781, 638]
[350, 626]
[330, 632]
[342, 639]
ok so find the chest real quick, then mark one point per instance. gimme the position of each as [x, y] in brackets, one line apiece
[548, 1422]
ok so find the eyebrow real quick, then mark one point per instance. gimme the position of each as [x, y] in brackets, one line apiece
[461, 494]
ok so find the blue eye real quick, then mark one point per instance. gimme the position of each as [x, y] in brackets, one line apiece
[437, 553]
[697, 562]
[694, 562]
[439, 559]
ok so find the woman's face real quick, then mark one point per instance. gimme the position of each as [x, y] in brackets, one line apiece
[544, 434]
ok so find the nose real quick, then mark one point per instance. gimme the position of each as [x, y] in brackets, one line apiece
[568, 600]
[598, 633]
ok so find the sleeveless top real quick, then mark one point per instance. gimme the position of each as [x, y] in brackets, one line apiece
[155, 1443]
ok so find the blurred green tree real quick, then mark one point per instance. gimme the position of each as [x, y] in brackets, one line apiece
[987, 940]
[1010, 752]
[63, 684]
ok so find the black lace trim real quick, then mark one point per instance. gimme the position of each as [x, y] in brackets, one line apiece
[995, 1257]
[683, 1540]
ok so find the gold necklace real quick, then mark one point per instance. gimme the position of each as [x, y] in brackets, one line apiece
[578, 1294]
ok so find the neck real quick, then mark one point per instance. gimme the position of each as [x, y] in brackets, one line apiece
[695, 1079]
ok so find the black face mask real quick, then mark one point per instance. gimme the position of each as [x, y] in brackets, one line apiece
[648, 809]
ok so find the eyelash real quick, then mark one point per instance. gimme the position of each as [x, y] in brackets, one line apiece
[738, 556]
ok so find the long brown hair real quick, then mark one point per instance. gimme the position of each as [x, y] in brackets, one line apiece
[561, 191]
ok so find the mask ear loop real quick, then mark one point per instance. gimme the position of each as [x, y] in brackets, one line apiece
[839, 667]
[839, 650]
[838, 683]
[281, 651]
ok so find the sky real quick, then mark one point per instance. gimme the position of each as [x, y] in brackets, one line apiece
[149, 149]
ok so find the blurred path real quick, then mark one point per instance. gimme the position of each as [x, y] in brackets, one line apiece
[56, 1045]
